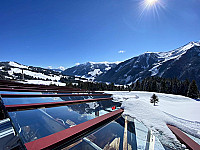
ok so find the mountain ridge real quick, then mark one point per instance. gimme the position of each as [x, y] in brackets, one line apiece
[142, 66]
[181, 63]
[90, 70]
[154, 64]
[11, 70]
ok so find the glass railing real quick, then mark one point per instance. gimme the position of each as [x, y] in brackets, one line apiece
[12, 92]
[38, 123]
[31, 100]
[123, 133]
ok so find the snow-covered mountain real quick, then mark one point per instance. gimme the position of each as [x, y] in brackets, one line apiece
[59, 69]
[90, 70]
[36, 75]
[13, 70]
[180, 63]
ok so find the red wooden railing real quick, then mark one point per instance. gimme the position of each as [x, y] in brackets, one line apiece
[184, 139]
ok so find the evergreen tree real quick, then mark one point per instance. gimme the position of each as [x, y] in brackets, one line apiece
[174, 86]
[153, 86]
[129, 88]
[137, 86]
[163, 86]
[154, 99]
[193, 90]
[186, 84]
[169, 87]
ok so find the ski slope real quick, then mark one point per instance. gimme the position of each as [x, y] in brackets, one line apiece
[176, 110]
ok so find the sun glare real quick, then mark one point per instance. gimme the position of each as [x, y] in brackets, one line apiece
[151, 7]
[151, 2]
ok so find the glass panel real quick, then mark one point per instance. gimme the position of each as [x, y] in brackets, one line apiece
[112, 136]
[119, 134]
[11, 92]
[30, 100]
[82, 97]
[141, 133]
[14, 101]
[38, 123]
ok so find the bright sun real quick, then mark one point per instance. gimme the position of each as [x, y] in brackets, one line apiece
[151, 2]
[151, 6]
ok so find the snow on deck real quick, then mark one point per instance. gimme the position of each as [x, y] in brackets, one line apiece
[177, 110]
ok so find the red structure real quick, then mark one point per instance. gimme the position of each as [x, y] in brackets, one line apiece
[183, 138]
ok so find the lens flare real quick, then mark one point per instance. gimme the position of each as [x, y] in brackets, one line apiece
[150, 7]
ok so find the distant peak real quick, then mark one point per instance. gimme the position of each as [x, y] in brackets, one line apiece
[61, 68]
[188, 46]
[194, 43]
[147, 52]
[182, 48]
[49, 67]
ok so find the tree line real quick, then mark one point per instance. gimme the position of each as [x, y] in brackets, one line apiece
[169, 86]
[151, 84]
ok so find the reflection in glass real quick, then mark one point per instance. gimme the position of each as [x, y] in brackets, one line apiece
[123, 133]
[31, 100]
[38, 123]
[116, 135]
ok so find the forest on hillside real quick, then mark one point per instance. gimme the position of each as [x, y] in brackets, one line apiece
[151, 84]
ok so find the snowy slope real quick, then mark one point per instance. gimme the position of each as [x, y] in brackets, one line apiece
[14, 64]
[171, 104]
[176, 110]
[42, 82]
[34, 75]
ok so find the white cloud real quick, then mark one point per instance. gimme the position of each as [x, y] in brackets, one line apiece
[77, 64]
[121, 51]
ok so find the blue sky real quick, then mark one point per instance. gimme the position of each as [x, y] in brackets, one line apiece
[64, 32]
